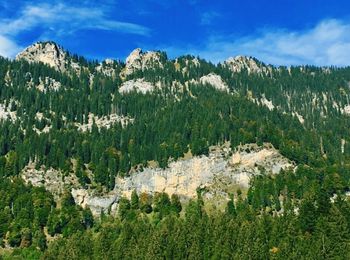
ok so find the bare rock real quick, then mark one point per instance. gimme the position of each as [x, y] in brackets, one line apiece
[217, 173]
[53, 180]
[138, 85]
[47, 52]
[103, 122]
[108, 68]
[98, 204]
[138, 60]
[215, 81]
[251, 65]
[6, 113]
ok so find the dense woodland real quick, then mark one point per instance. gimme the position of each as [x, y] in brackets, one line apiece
[302, 214]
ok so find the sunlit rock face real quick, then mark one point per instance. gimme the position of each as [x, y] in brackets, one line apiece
[251, 65]
[138, 85]
[217, 174]
[47, 52]
[108, 68]
[139, 60]
[215, 81]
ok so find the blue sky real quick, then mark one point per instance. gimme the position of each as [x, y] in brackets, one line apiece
[281, 32]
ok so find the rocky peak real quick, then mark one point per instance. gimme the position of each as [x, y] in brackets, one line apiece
[252, 65]
[134, 57]
[47, 52]
[109, 62]
[139, 60]
[108, 67]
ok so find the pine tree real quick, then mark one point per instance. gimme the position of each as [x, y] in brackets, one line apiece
[134, 203]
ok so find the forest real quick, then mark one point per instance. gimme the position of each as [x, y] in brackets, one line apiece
[295, 214]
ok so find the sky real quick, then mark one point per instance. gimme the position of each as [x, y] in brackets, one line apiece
[279, 32]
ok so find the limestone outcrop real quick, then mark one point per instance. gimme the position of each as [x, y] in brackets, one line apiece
[6, 113]
[251, 65]
[98, 204]
[138, 85]
[108, 68]
[217, 175]
[139, 60]
[103, 122]
[53, 180]
[215, 81]
[47, 52]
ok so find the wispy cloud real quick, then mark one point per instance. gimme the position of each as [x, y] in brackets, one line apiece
[327, 43]
[8, 47]
[60, 19]
[208, 17]
[67, 18]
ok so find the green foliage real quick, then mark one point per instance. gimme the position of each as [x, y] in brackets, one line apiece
[286, 216]
[166, 127]
[176, 204]
[231, 208]
[134, 203]
[124, 207]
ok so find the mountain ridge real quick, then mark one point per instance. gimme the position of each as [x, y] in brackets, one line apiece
[56, 56]
[152, 142]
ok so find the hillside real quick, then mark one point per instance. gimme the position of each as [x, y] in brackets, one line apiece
[243, 150]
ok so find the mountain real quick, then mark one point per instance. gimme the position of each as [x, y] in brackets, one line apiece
[121, 155]
[251, 65]
[139, 60]
[46, 52]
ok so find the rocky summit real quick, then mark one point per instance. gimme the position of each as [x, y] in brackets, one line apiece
[46, 52]
[251, 65]
[139, 60]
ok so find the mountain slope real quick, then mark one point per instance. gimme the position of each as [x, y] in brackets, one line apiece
[82, 138]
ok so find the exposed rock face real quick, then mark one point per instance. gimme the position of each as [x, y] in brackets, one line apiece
[45, 83]
[7, 114]
[133, 61]
[47, 52]
[299, 117]
[138, 60]
[57, 183]
[240, 63]
[48, 84]
[108, 68]
[45, 130]
[215, 81]
[268, 103]
[53, 180]
[138, 85]
[217, 174]
[97, 204]
[346, 110]
[263, 101]
[342, 145]
[103, 122]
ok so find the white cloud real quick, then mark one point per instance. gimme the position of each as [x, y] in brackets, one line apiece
[57, 20]
[328, 43]
[67, 19]
[8, 48]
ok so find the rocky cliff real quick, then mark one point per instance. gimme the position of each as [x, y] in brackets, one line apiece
[218, 174]
[215, 81]
[139, 60]
[251, 65]
[47, 52]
